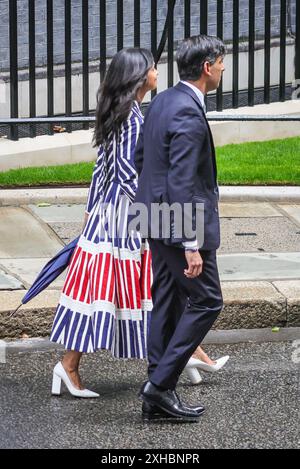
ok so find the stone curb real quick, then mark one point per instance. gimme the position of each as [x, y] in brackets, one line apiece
[216, 337]
[289, 194]
[247, 305]
[16, 197]
[78, 195]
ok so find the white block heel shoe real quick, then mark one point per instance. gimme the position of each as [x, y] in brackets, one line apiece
[200, 365]
[193, 375]
[59, 376]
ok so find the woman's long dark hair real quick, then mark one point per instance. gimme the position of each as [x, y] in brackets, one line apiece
[126, 74]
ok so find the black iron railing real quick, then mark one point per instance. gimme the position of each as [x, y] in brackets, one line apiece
[91, 119]
[297, 42]
[162, 48]
[87, 121]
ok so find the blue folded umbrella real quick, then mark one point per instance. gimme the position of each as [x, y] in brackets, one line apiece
[50, 272]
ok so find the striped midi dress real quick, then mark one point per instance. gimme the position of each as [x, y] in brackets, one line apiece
[106, 301]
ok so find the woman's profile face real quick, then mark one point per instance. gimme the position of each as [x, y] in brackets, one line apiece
[151, 82]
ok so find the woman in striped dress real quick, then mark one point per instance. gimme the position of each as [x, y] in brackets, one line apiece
[106, 298]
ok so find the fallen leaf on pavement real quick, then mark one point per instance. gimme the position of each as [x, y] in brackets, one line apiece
[59, 129]
[24, 336]
[43, 204]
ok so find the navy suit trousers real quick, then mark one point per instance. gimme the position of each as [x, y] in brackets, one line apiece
[184, 310]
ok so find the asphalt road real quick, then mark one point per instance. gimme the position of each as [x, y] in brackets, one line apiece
[252, 403]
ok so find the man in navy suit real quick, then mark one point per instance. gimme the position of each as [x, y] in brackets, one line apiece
[175, 159]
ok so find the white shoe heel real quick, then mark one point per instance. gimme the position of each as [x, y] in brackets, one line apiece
[59, 375]
[56, 385]
[193, 375]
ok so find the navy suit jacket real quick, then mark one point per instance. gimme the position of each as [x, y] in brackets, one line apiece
[175, 159]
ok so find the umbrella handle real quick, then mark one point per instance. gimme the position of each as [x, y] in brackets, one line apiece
[15, 310]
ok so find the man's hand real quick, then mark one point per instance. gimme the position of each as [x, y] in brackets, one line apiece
[195, 264]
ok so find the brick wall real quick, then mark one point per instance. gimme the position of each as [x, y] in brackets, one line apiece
[94, 41]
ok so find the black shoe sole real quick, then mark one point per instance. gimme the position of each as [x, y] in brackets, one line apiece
[147, 418]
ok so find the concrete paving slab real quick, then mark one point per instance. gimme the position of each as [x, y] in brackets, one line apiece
[60, 213]
[247, 210]
[67, 231]
[293, 211]
[276, 234]
[22, 236]
[8, 282]
[265, 266]
[74, 213]
[28, 269]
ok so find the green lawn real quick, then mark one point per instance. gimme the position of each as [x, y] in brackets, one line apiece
[267, 163]
[79, 173]
[255, 163]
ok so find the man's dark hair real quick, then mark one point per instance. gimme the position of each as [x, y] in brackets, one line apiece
[194, 52]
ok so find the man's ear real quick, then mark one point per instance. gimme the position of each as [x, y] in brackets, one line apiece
[206, 68]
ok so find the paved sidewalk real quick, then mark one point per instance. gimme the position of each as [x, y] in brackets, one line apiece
[259, 258]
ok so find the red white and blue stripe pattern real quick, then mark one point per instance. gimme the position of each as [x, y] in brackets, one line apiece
[106, 298]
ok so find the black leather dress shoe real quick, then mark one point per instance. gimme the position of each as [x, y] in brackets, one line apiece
[152, 412]
[168, 402]
[198, 408]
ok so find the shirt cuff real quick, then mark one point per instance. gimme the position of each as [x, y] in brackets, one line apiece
[191, 244]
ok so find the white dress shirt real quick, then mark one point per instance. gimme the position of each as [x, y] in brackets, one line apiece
[197, 92]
